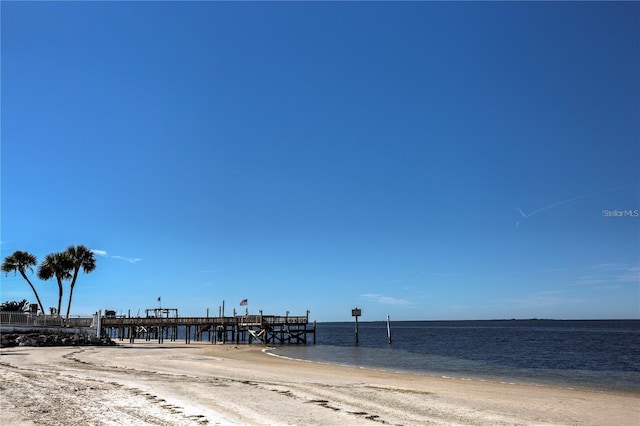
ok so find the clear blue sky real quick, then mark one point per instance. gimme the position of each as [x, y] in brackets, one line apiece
[325, 156]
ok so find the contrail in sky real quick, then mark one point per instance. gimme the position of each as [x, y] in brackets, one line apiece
[559, 203]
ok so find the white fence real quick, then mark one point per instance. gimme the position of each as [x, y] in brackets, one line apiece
[30, 320]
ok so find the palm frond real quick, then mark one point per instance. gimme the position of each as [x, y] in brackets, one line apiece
[59, 265]
[19, 261]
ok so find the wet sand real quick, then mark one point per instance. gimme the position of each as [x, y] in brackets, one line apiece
[200, 383]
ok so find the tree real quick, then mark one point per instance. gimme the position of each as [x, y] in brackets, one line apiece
[15, 306]
[81, 258]
[58, 265]
[20, 261]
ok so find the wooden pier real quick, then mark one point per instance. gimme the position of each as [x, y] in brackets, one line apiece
[266, 329]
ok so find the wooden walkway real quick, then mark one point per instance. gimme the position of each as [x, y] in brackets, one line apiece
[266, 329]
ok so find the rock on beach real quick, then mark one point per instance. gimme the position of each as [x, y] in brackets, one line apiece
[53, 339]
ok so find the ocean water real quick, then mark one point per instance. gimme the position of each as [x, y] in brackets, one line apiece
[592, 355]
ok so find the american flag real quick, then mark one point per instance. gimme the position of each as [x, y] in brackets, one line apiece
[243, 302]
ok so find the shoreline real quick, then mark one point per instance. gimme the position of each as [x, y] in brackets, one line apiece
[201, 383]
[483, 378]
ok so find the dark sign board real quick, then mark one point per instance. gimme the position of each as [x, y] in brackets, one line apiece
[355, 312]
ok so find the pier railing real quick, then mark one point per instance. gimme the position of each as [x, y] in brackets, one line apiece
[243, 320]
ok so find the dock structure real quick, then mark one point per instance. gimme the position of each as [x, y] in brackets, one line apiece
[266, 329]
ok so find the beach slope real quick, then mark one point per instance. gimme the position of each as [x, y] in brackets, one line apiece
[200, 383]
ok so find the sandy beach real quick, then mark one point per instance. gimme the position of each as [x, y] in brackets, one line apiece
[200, 383]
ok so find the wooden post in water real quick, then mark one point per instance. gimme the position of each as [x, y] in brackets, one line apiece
[388, 329]
[356, 330]
[356, 313]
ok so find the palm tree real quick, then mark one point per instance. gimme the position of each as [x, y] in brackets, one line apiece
[81, 257]
[58, 265]
[20, 261]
